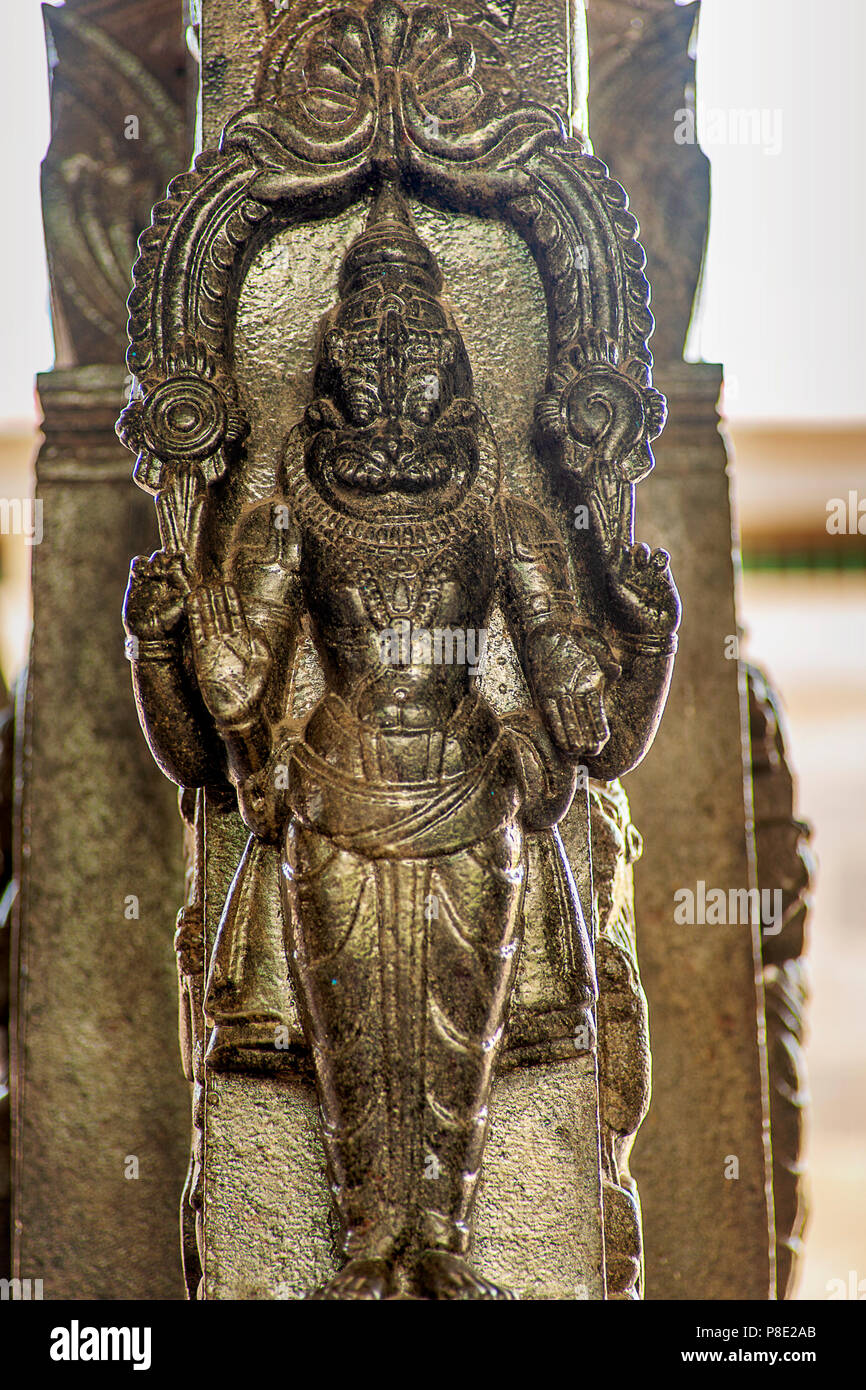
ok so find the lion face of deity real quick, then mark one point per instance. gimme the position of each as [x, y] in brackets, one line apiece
[393, 428]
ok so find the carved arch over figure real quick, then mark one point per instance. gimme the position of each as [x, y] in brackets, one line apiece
[393, 93]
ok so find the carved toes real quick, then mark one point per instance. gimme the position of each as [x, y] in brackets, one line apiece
[358, 1280]
[445, 1276]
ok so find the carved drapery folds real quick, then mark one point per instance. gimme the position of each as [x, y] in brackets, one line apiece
[404, 880]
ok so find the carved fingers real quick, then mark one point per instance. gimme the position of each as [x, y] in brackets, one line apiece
[216, 614]
[155, 595]
[642, 591]
[232, 662]
[577, 723]
[568, 683]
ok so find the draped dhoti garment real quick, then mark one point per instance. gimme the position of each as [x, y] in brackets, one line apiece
[403, 904]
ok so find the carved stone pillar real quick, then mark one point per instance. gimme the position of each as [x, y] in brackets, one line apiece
[100, 1109]
[709, 1237]
[786, 870]
[352, 448]
[7, 897]
[702, 1157]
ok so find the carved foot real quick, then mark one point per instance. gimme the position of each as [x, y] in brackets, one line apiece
[441, 1275]
[360, 1279]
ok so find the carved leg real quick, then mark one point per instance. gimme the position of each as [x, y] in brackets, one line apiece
[472, 952]
[377, 947]
[334, 955]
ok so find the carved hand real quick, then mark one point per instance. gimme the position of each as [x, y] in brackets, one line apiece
[232, 663]
[568, 685]
[155, 594]
[643, 596]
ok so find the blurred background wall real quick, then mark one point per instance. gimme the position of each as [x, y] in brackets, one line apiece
[783, 305]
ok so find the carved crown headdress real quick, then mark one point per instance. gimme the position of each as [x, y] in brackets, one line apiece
[389, 281]
[389, 250]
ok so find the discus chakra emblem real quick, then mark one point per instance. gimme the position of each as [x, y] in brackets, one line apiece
[192, 416]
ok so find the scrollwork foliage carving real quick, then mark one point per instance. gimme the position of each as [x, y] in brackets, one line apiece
[784, 862]
[101, 176]
[394, 93]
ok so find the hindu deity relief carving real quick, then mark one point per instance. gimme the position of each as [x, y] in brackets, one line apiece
[404, 920]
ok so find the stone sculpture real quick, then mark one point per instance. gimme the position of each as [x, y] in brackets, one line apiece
[412, 826]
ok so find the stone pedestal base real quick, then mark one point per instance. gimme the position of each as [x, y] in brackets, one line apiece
[267, 1221]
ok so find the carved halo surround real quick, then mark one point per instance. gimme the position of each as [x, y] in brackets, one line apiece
[393, 93]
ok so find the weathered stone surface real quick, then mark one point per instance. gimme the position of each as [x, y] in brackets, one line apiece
[268, 1225]
[642, 76]
[118, 132]
[95, 1081]
[100, 1108]
[707, 1235]
[7, 897]
[544, 1157]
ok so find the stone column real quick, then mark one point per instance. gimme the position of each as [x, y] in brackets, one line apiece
[702, 1157]
[100, 1122]
[265, 1227]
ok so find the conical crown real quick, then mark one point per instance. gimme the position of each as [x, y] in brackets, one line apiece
[389, 254]
[389, 301]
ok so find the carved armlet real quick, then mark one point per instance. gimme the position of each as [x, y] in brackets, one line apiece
[551, 614]
[648, 644]
[153, 649]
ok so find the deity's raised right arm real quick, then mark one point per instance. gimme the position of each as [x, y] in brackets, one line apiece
[176, 724]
